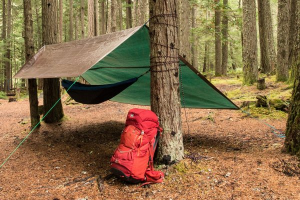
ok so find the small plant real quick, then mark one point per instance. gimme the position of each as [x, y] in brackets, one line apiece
[3, 95]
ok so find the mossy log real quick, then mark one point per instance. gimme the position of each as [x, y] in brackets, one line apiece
[278, 104]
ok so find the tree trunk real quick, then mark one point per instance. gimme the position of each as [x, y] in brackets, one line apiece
[292, 141]
[82, 7]
[97, 24]
[184, 27]
[206, 55]
[103, 17]
[233, 62]
[266, 38]
[71, 32]
[91, 18]
[60, 21]
[38, 27]
[3, 37]
[8, 80]
[283, 40]
[194, 40]
[29, 52]
[120, 17]
[143, 11]
[165, 97]
[218, 41]
[136, 12]
[76, 26]
[129, 14]
[51, 86]
[113, 16]
[225, 38]
[250, 69]
[293, 46]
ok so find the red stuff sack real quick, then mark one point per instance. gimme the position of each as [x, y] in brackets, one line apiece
[133, 159]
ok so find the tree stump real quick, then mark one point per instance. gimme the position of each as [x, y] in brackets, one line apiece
[262, 101]
[261, 84]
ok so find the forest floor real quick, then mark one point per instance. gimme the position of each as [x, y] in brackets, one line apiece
[228, 155]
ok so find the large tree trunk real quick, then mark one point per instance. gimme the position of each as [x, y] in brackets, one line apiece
[266, 38]
[129, 14]
[29, 52]
[218, 41]
[165, 97]
[71, 32]
[51, 86]
[82, 7]
[292, 141]
[8, 80]
[225, 38]
[249, 42]
[293, 46]
[91, 18]
[283, 40]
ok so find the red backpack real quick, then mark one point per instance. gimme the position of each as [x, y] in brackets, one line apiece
[133, 159]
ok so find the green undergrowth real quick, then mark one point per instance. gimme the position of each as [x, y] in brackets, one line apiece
[3, 95]
[264, 113]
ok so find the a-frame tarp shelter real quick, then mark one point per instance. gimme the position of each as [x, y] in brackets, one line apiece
[117, 57]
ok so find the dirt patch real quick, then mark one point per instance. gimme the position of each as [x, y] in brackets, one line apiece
[228, 156]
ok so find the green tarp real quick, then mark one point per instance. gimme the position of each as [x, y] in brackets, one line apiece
[132, 58]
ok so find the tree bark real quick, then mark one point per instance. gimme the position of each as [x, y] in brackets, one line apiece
[103, 17]
[51, 86]
[3, 37]
[113, 16]
[165, 97]
[91, 18]
[97, 24]
[206, 58]
[76, 27]
[8, 77]
[143, 12]
[293, 43]
[225, 38]
[218, 41]
[60, 20]
[194, 40]
[282, 73]
[292, 141]
[82, 7]
[129, 14]
[120, 16]
[38, 27]
[266, 38]
[250, 69]
[184, 27]
[71, 31]
[29, 52]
